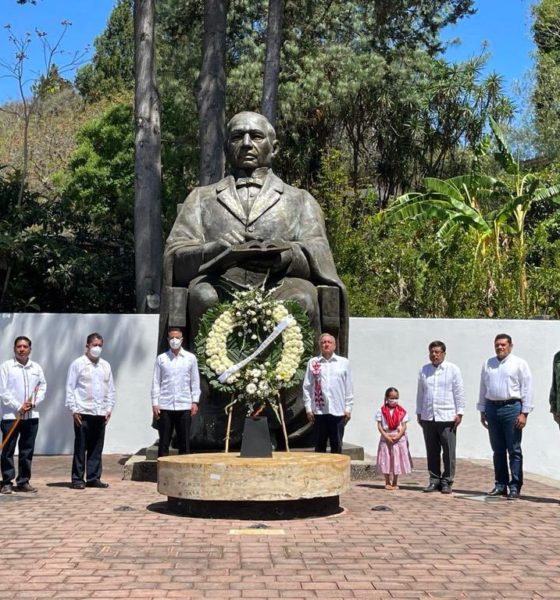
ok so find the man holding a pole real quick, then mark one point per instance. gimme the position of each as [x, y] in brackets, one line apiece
[22, 388]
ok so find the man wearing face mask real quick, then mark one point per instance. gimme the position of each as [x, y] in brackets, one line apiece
[440, 405]
[90, 396]
[175, 393]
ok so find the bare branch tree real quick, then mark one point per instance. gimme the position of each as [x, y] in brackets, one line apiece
[29, 101]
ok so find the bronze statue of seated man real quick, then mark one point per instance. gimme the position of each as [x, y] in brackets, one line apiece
[247, 229]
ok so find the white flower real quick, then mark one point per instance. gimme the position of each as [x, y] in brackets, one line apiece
[251, 388]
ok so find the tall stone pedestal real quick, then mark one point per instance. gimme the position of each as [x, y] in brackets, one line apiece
[288, 485]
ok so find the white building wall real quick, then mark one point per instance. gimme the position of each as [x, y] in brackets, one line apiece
[383, 353]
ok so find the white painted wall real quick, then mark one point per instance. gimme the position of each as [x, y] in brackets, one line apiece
[383, 353]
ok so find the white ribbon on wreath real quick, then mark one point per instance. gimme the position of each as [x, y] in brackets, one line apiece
[285, 322]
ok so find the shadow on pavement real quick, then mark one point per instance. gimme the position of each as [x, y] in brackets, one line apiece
[59, 484]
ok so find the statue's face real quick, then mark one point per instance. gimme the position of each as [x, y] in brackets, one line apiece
[251, 143]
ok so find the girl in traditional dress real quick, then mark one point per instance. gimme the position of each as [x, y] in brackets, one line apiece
[393, 456]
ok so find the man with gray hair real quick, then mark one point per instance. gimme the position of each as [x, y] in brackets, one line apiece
[328, 395]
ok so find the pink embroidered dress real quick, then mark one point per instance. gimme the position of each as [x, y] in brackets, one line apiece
[393, 459]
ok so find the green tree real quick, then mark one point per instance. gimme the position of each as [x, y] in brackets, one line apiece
[97, 192]
[112, 68]
[518, 193]
[492, 211]
[546, 33]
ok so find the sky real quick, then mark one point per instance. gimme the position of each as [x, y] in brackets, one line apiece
[504, 25]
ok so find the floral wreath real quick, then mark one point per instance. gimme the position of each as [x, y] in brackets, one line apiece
[254, 346]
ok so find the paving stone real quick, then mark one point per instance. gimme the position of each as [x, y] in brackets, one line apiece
[121, 542]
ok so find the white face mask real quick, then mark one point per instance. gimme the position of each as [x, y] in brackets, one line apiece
[175, 343]
[95, 351]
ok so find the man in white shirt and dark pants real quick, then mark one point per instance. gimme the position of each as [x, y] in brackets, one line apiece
[504, 402]
[440, 405]
[175, 393]
[328, 395]
[90, 396]
[22, 389]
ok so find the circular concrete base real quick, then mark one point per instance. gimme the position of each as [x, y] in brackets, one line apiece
[226, 485]
[264, 510]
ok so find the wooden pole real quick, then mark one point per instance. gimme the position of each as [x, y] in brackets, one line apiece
[230, 413]
[9, 434]
[283, 424]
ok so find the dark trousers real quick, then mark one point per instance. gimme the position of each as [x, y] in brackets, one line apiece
[178, 420]
[440, 438]
[26, 432]
[505, 440]
[88, 448]
[331, 428]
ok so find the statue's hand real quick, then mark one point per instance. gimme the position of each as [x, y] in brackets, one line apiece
[272, 262]
[212, 249]
[232, 238]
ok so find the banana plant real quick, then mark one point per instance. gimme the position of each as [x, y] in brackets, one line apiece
[453, 203]
[518, 193]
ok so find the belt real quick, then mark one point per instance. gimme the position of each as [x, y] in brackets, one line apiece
[504, 402]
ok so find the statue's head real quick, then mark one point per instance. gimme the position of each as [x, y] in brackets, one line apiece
[251, 141]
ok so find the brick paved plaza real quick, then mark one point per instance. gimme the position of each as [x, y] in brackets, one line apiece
[120, 543]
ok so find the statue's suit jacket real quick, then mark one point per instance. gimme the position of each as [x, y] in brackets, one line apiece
[279, 212]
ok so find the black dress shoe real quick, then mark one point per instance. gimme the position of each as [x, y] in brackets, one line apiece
[432, 487]
[498, 492]
[445, 488]
[78, 485]
[97, 483]
[513, 495]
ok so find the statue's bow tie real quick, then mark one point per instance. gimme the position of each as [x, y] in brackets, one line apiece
[247, 181]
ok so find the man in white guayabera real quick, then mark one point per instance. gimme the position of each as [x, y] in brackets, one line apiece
[90, 396]
[175, 393]
[440, 405]
[22, 388]
[328, 395]
[505, 401]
